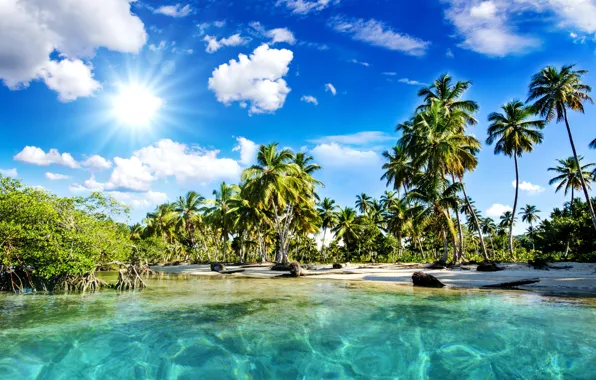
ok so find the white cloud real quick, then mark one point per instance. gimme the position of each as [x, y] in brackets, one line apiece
[139, 200]
[330, 88]
[206, 25]
[365, 64]
[56, 176]
[36, 156]
[161, 46]
[411, 82]
[335, 155]
[96, 162]
[360, 138]
[377, 33]
[449, 53]
[303, 7]
[89, 185]
[174, 10]
[248, 151]
[277, 35]
[389, 73]
[529, 187]
[214, 45]
[32, 30]
[9, 172]
[497, 210]
[310, 99]
[130, 173]
[486, 28]
[256, 80]
[70, 79]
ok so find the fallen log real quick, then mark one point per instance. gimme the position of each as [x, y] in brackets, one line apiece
[231, 271]
[512, 284]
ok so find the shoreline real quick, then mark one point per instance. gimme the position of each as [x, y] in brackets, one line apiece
[579, 279]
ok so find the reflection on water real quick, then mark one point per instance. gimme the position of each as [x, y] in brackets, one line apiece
[218, 328]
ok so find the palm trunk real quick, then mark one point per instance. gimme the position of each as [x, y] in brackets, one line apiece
[323, 244]
[492, 244]
[581, 177]
[484, 253]
[460, 232]
[445, 247]
[514, 206]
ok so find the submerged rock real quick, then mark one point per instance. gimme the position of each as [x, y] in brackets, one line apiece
[217, 267]
[295, 269]
[488, 266]
[426, 280]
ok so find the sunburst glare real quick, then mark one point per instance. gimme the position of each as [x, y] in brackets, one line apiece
[136, 105]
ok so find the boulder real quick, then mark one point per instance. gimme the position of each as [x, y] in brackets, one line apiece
[295, 269]
[281, 267]
[488, 266]
[217, 267]
[426, 280]
[338, 266]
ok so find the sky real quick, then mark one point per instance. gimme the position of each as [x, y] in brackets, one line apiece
[146, 100]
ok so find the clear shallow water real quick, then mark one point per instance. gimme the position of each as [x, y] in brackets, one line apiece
[294, 329]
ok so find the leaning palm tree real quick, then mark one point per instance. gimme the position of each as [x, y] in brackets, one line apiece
[530, 215]
[553, 93]
[568, 177]
[513, 134]
[363, 203]
[328, 214]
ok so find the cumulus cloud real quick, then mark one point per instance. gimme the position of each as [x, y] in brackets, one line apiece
[330, 88]
[411, 82]
[56, 176]
[529, 187]
[71, 79]
[131, 174]
[176, 10]
[213, 44]
[377, 33]
[89, 185]
[32, 30]
[277, 35]
[336, 155]
[248, 151]
[302, 7]
[497, 210]
[486, 28]
[9, 172]
[36, 156]
[96, 162]
[256, 80]
[139, 200]
[360, 138]
[310, 99]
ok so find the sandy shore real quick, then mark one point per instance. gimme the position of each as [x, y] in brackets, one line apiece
[579, 278]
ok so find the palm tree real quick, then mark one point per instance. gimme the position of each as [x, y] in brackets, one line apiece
[398, 220]
[222, 213]
[553, 92]
[277, 183]
[398, 168]
[569, 175]
[189, 208]
[363, 203]
[328, 214]
[489, 227]
[530, 215]
[346, 227]
[513, 135]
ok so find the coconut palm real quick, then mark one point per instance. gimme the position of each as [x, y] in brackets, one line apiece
[513, 135]
[328, 214]
[346, 227]
[388, 199]
[398, 169]
[555, 91]
[489, 227]
[189, 208]
[363, 203]
[530, 215]
[222, 213]
[568, 177]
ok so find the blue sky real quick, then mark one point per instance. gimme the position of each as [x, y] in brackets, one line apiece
[332, 77]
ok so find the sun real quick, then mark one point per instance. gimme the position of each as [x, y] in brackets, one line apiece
[136, 105]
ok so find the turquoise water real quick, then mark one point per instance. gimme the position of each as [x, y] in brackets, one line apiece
[295, 329]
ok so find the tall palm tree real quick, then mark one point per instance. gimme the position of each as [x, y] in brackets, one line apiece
[363, 203]
[569, 175]
[328, 213]
[189, 207]
[489, 227]
[530, 215]
[222, 213]
[388, 199]
[347, 227]
[554, 92]
[513, 134]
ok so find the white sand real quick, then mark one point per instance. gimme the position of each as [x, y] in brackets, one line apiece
[581, 278]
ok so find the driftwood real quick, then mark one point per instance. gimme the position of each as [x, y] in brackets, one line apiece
[512, 284]
[231, 271]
